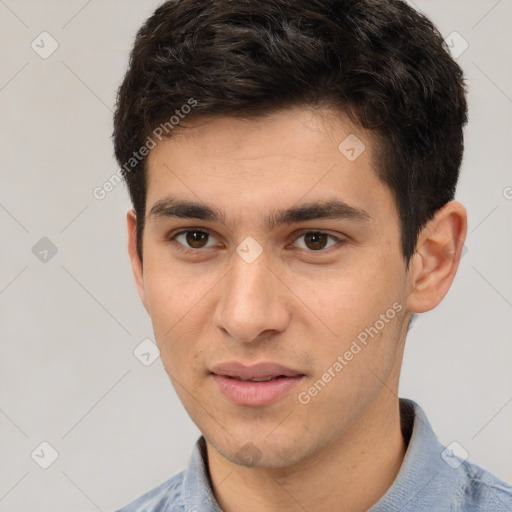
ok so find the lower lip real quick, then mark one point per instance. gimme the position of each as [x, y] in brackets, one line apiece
[245, 392]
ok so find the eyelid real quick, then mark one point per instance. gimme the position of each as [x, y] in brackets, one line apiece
[303, 231]
[180, 231]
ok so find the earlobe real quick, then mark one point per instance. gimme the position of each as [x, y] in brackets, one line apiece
[436, 260]
[138, 274]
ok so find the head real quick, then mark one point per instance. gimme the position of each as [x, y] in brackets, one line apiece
[312, 150]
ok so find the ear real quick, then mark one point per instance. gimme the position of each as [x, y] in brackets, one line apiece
[138, 274]
[435, 262]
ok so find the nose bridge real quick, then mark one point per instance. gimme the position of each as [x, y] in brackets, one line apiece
[251, 300]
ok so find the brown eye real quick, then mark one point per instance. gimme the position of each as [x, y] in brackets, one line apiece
[197, 239]
[316, 240]
[193, 239]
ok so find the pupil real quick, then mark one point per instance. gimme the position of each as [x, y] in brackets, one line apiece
[196, 238]
[317, 240]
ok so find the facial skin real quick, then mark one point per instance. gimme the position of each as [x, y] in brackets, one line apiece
[293, 305]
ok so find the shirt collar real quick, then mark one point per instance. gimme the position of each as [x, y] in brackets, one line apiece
[423, 473]
[197, 489]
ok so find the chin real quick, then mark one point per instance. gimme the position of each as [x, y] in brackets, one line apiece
[263, 454]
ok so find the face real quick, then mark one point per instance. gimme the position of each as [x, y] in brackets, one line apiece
[288, 263]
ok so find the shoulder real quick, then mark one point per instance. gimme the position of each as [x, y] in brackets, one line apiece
[481, 491]
[437, 478]
[166, 497]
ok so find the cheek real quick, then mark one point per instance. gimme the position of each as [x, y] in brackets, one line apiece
[362, 308]
[347, 299]
[178, 306]
[173, 290]
[351, 370]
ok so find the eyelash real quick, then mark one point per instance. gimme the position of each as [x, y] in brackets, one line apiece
[189, 250]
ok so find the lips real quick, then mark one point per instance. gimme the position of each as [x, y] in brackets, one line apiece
[255, 386]
[261, 371]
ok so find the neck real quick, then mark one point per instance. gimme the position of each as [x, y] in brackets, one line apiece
[350, 474]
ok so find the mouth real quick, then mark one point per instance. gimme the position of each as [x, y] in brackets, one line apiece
[258, 379]
[256, 385]
[257, 372]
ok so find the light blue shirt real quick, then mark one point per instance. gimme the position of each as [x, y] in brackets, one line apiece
[431, 479]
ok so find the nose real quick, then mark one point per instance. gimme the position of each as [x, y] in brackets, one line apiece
[253, 301]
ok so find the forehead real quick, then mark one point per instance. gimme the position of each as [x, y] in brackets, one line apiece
[285, 158]
[296, 133]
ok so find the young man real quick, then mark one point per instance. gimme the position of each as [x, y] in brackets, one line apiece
[292, 167]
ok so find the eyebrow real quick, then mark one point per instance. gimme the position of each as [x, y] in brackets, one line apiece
[329, 209]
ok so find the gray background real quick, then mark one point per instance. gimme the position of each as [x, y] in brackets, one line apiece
[71, 320]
